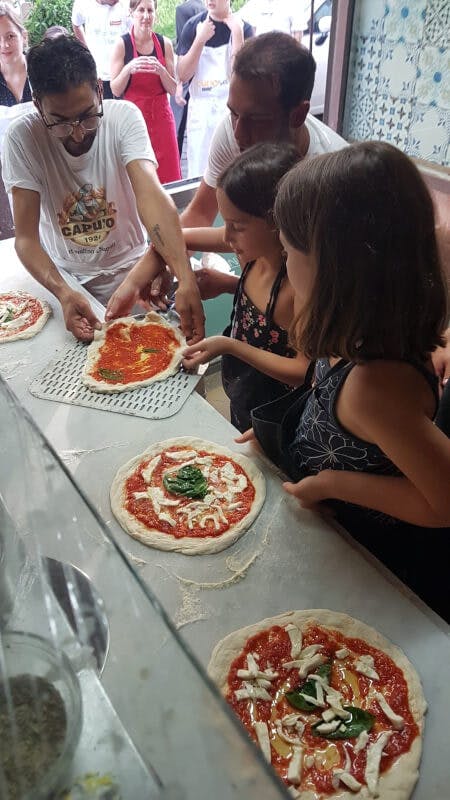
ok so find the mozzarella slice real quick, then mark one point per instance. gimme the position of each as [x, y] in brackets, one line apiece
[294, 773]
[251, 692]
[342, 653]
[262, 733]
[374, 753]
[295, 635]
[366, 666]
[306, 665]
[150, 468]
[397, 721]
[328, 727]
[348, 780]
[361, 741]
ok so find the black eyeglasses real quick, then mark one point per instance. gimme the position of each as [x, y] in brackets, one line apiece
[87, 124]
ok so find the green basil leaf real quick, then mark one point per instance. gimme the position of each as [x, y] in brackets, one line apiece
[150, 350]
[310, 688]
[111, 374]
[10, 315]
[188, 481]
[359, 721]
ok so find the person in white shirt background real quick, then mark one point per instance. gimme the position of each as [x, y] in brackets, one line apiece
[98, 24]
[275, 15]
[208, 45]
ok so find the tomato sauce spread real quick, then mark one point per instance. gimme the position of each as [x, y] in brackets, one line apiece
[273, 646]
[134, 352]
[144, 509]
[31, 307]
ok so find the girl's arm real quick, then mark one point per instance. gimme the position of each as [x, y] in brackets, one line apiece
[120, 72]
[389, 404]
[167, 73]
[206, 240]
[287, 370]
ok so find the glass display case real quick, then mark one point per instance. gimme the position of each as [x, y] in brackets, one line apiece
[99, 695]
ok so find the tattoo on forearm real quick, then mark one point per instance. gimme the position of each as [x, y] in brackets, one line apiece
[156, 237]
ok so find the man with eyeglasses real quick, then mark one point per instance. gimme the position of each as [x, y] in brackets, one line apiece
[82, 174]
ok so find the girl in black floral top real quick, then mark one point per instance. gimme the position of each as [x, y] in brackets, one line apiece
[258, 364]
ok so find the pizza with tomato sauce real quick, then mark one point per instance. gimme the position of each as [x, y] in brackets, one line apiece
[21, 315]
[187, 494]
[129, 353]
[335, 707]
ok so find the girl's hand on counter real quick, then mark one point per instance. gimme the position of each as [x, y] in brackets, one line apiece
[204, 351]
[311, 491]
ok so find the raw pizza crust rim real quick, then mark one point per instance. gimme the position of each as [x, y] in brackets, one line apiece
[37, 326]
[189, 545]
[99, 339]
[399, 781]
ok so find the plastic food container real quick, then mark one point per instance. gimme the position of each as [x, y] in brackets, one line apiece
[40, 716]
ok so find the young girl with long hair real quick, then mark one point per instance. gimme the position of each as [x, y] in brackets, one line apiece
[359, 232]
[258, 363]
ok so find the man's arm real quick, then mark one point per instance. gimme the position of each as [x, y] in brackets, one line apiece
[188, 62]
[202, 210]
[78, 31]
[160, 218]
[78, 315]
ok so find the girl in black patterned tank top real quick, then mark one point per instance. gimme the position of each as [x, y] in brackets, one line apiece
[258, 363]
[359, 231]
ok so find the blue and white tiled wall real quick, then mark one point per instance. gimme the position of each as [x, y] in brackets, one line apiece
[399, 77]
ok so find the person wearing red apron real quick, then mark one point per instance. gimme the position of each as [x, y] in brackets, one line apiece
[144, 76]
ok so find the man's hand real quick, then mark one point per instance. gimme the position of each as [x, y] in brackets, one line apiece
[78, 315]
[212, 282]
[204, 351]
[441, 359]
[189, 306]
[205, 30]
[129, 294]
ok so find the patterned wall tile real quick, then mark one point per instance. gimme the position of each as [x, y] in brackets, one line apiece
[398, 86]
[437, 23]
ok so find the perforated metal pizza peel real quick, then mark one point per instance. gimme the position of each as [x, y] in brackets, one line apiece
[61, 381]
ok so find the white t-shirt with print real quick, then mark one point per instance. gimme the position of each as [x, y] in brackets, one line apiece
[224, 147]
[274, 15]
[89, 223]
[103, 26]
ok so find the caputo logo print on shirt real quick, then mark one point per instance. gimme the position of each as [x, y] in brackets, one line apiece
[87, 217]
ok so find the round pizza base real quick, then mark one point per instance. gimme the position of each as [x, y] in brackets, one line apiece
[399, 781]
[189, 545]
[37, 326]
[93, 353]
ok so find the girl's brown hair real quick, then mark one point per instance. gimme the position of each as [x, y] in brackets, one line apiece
[366, 217]
[134, 4]
[7, 10]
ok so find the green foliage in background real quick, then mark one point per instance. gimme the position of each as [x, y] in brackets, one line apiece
[166, 15]
[44, 14]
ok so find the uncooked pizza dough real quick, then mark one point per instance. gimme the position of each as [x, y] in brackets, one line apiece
[229, 491]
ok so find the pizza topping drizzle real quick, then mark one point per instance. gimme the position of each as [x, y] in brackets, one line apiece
[397, 721]
[374, 753]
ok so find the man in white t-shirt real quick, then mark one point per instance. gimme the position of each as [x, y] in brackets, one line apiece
[275, 15]
[268, 100]
[98, 24]
[82, 174]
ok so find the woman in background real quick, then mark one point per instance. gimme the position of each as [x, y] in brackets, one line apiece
[14, 85]
[143, 71]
